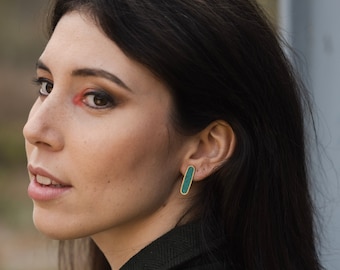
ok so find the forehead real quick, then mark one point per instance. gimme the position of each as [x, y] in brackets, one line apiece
[78, 42]
[76, 35]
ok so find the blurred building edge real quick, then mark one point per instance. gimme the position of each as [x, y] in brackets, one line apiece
[311, 28]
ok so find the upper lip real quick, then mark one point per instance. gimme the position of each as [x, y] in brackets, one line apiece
[34, 171]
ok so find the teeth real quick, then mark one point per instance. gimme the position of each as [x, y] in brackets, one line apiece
[47, 181]
[43, 180]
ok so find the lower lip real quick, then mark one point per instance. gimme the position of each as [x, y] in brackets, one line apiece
[38, 192]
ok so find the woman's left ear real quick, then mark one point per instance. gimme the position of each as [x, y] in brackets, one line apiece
[209, 149]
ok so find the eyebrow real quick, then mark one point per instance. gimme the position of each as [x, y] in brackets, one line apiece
[41, 65]
[89, 72]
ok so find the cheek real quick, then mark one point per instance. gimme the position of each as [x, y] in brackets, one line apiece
[132, 156]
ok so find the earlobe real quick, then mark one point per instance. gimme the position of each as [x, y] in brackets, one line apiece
[213, 146]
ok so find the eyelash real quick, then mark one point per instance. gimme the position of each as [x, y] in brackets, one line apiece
[43, 83]
[100, 100]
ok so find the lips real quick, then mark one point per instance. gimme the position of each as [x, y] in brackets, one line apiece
[45, 178]
[44, 186]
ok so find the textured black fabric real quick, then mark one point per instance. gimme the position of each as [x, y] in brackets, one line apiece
[180, 249]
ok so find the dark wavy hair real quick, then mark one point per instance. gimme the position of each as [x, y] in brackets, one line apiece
[224, 59]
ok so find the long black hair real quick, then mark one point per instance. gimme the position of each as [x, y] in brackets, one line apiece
[223, 58]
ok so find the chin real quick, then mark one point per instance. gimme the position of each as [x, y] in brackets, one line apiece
[50, 231]
[54, 226]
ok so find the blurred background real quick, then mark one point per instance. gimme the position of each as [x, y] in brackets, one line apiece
[309, 26]
[22, 39]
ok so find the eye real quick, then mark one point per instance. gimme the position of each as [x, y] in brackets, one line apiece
[98, 100]
[46, 86]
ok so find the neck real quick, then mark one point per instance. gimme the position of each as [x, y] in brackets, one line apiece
[122, 242]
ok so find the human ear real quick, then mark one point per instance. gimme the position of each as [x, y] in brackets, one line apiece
[209, 149]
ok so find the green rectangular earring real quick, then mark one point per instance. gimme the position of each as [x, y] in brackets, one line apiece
[187, 180]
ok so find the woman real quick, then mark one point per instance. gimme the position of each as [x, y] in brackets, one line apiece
[169, 135]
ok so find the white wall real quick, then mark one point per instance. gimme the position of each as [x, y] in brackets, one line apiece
[313, 29]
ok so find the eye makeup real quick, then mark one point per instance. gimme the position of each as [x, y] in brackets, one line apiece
[78, 98]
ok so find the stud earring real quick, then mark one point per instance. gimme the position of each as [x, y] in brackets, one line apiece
[187, 180]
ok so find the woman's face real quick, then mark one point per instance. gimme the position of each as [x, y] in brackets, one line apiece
[102, 153]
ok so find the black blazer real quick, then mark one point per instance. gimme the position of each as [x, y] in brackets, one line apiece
[180, 249]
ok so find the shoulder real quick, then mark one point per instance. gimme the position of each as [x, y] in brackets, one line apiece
[182, 248]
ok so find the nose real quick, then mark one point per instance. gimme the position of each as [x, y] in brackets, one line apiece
[43, 128]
